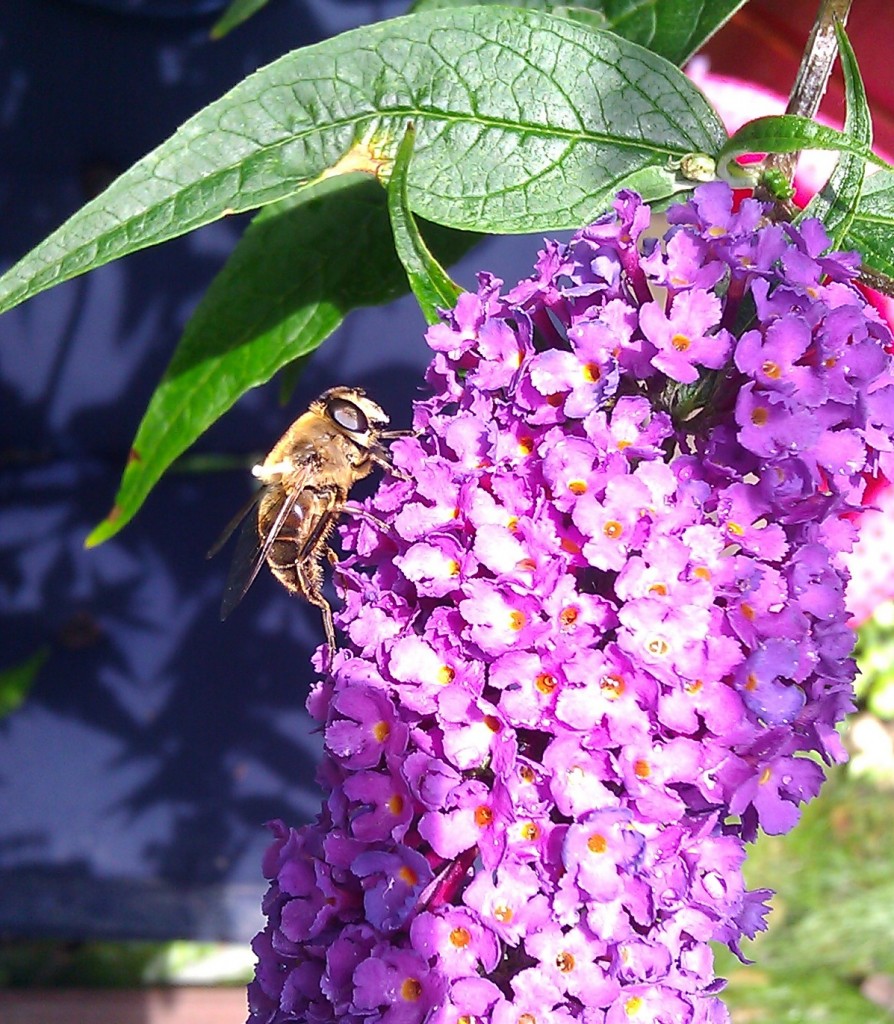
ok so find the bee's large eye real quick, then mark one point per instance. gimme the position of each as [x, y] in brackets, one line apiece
[347, 415]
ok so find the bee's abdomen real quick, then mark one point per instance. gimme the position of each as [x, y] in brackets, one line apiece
[294, 557]
[286, 570]
[283, 553]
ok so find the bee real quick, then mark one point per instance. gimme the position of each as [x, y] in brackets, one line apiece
[306, 479]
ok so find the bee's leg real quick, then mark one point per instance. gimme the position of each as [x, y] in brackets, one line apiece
[382, 458]
[309, 583]
[385, 460]
[361, 513]
[333, 559]
[307, 564]
[390, 435]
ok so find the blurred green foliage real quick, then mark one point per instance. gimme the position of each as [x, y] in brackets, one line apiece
[55, 964]
[875, 658]
[51, 964]
[832, 928]
[16, 682]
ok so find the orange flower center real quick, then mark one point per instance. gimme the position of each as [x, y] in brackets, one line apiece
[597, 843]
[411, 990]
[503, 913]
[569, 615]
[483, 816]
[565, 962]
[530, 831]
[408, 875]
[612, 686]
[613, 529]
[545, 683]
[657, 646]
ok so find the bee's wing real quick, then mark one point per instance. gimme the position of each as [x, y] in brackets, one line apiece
[229, 529]
[252, 549]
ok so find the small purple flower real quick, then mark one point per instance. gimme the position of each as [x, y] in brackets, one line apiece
[771, 425]
[766, 682]
[437, 566]
[381, 805]
[570, 957]
[613, 525]
[508, 901]
[368, 729]
[397, 986]
[500, 617]
[392, 884]
[688, 336]
[600, 853]
[774, 794]
[457, 939]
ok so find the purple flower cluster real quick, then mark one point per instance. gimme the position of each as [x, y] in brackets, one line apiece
[605, 625]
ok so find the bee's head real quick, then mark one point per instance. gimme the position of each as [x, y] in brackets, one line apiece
[351, 411]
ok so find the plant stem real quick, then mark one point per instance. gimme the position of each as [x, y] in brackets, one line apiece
[813, 74]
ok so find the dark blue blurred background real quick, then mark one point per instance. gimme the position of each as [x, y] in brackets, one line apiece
[135, 780]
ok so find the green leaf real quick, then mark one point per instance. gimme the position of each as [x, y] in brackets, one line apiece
[836, 203]
[301, 266]
[871, 230]
[674, 29]
[429, 282]
[289, 377]
[787, 133]
[525, 122]
[16, 682]
[237, 12]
